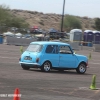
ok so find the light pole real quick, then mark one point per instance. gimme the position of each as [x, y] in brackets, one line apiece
[62, 16]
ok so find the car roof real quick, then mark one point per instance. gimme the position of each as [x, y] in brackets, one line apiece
[49, 42]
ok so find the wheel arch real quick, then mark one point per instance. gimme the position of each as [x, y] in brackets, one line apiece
[82, 62]
[47, 61]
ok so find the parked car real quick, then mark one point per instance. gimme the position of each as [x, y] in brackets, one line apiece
[57, 35]
[48, 55]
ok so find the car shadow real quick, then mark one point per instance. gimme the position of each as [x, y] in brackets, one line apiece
[72, 72]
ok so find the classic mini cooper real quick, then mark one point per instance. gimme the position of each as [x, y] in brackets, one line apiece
[48, 55]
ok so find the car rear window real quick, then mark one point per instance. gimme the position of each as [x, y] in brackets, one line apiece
[34, 48]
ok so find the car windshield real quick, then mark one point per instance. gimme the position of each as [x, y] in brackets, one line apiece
[34, 48]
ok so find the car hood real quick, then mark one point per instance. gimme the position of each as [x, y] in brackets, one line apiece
[81, 57]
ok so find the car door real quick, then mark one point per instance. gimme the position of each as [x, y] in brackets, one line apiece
[51, 54]
[66, 58]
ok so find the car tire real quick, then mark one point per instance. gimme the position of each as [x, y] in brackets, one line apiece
[81, 68]
[25, 67]
[46, 66]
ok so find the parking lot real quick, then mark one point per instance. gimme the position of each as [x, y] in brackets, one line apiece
[55, 85]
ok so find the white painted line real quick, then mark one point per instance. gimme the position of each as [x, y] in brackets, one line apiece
[83, 88]
[86, 88]
[9, 57]
[10, 63]
[94, 63]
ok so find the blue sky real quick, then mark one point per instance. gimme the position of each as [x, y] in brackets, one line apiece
[81, 8]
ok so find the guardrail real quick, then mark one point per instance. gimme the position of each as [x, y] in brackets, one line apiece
[77, 45]
[23, 41]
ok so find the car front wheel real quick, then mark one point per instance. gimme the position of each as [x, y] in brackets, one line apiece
[46, 66]
[81, 68]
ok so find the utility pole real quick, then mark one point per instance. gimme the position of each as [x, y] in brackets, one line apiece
[62, 16]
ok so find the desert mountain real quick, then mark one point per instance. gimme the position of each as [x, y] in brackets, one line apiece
[49, 20]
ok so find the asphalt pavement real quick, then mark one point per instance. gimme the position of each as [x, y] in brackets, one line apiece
[36, 85]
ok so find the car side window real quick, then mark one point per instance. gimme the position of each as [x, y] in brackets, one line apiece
[65, 50]
[52, 49]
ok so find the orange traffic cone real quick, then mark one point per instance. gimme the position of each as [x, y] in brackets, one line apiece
[16, 94]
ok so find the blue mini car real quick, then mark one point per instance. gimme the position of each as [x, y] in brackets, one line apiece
[48, 55]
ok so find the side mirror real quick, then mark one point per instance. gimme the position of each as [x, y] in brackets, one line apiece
[73, 51]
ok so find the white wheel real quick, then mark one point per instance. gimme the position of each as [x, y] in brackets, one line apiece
[46, 66]
[81, 68]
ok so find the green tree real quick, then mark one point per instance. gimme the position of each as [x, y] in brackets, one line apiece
[8, 20]
[71, 22]
[4, 15]
[17, 22]
[97, 23]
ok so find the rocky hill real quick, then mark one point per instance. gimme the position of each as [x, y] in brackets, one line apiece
[49, 20]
